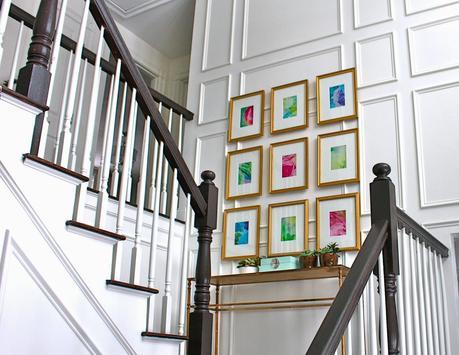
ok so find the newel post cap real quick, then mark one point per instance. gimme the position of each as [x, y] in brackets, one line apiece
[208, 176]
[382, 171]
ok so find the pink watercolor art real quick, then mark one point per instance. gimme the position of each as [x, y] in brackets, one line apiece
[337, 223]
[288, 165]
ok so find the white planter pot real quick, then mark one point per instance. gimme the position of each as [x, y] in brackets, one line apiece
[248, 269]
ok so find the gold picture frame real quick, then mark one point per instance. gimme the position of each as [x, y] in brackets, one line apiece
[232, 136]
[305, 118]
[323, 181]
[305, 239]
[272, 148]
[319, 222]
[229, 173]
[340, 103]
[256, 245]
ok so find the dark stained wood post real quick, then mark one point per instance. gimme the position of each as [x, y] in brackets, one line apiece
[200, 334]
[384, 208]
[34, 77]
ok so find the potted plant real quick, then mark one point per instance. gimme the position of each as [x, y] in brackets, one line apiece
[329, 255]
[308, 259]
[248, 265]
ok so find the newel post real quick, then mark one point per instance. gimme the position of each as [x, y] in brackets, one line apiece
[384, 207]
[200, 334]
[34, 77]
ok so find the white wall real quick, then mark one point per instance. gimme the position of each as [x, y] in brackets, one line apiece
[407, 59]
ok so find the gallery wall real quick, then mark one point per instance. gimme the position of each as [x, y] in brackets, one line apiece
[407, 59]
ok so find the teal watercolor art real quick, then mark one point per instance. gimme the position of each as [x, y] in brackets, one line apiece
[241, 233]
[337, 96]
[244, 175]
[338, 157]
[289, 107]
[288, 228]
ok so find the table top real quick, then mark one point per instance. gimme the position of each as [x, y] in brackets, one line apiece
[275, 276]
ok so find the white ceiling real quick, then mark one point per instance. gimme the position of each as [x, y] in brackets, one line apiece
[166, 25]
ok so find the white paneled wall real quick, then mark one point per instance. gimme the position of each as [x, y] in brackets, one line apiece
[407, 58]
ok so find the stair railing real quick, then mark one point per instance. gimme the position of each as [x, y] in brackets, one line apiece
[405, 260]
[119, 101]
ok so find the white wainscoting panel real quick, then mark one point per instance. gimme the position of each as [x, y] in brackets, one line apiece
[413, 6]
[218, 38]
[213, 100]
[269, 27]
[432, 47]
[303, 67]
[380, 142]
[368, 13]
[437, 128]
[376, 62]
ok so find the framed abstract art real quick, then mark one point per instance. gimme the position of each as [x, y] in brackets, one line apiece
[243, 173]
[246, 116]
[338, 220]
[338, 157]
[288, 163]
[336, 96]
[241, 233]
[289, 107]
[288, 228]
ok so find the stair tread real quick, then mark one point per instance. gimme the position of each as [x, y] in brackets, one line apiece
[164, 335]
[55, 167]
[132, 286]
[93, 229]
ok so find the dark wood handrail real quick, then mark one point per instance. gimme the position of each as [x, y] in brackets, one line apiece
[118, 48]
[410, 225]
[69, 44]
[340, 313]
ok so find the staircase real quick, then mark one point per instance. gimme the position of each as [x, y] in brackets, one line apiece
[92, 248]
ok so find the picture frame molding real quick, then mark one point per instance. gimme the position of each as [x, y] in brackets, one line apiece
[231, 112]
[328, 75]
[225, 227]
[305, 202]
[306, 165]
[260, 177]
[305, 82]
[357, 158]
[356, 197]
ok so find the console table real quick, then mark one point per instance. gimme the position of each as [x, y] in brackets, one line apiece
[339, 272]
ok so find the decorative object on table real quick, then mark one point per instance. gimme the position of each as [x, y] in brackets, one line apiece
[279, 263]
[249, 265]
[338, 221]
[288, 165]
[288, 227]
[243, 173]
[246, 116]
[241, 233]
[338, 157]
[329, 255]
[289, 107]
[336, 96]
[308, 259]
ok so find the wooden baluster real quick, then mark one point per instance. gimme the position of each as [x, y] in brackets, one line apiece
[167, 298]
[136, 256]
[103, 193]
[34, 78]
[361, 326]
[200, 342]
[427, 306]
[166, 171]
[154, 166]
[60, 121]
[420, 287]
[16, 56]
[129, 175]
[64, 144]
[415, 295]
[384, 207]
[372, 317]
[400, 296]
[434, 301]
[439, 305]
[407, 292]
[77, 119]
[119, 139]
[184, 270]
[382, 308]
[78, 213]
[446, 326]
[4, 13]
[127, 160]
[53, 69]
